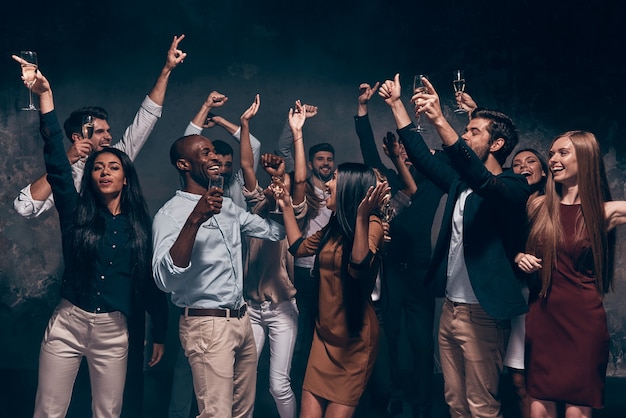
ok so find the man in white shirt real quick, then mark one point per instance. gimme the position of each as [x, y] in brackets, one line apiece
[36, 198]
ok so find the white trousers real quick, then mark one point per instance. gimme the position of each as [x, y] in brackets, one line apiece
[71, 335]
[279, 322]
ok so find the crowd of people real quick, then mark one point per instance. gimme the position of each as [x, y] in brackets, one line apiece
[322, 258]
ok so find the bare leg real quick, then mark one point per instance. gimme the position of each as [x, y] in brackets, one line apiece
[575, 411]
[336, 410]
[518, 379]
[312, 406]
[542, 409]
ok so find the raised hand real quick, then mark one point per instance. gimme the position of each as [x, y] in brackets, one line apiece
[309, 110]
[366, 92]
[465, 102]
[297, 116]
[428, 103]
[391, 146]
[279, 190]
[391, 90]
[274, 165]
[215, 99]
[174, 55]
[374, 199]
[250, 112]
[41, 84]
[80, 148]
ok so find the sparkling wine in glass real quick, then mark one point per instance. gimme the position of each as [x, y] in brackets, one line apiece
[458, 82]
[419, 87]
[216, 181]
[87, 129]
[29, 74]
[276, 186]
[388, 212]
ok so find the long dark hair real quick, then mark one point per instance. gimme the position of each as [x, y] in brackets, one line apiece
[353, 181]
[540, 187]
[89, 226]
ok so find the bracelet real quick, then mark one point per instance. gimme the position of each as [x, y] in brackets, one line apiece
[296, 140]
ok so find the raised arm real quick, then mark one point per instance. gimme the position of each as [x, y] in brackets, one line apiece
[203, 119]
[369, 152]
[174, 57]
[426, 103]
[245, 149]
[394, 150]
[138, 132]
[35, 198]
[286, 139]
[466, 102]
[289, 218]
[372, 201]
[296, 118]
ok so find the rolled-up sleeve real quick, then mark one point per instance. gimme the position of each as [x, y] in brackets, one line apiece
[165, 230]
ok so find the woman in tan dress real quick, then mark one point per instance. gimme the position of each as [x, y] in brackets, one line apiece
[346, 333]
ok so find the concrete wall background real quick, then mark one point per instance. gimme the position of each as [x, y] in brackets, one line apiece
[552, 67]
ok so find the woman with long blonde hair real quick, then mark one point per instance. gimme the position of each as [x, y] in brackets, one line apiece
[571, 244]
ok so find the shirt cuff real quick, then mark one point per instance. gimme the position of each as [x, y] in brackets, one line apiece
[151, 107]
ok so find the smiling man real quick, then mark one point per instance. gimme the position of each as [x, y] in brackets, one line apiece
[197, 238]
[472, 263]
[36, 198]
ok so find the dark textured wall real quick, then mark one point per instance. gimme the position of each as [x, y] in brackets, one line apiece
[553, 66]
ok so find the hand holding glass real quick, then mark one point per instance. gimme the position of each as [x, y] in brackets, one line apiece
[388, 213]
[216, 181]
[277, 187]
[29, 74]
[459, 88]
[419, 87]
[87, 129]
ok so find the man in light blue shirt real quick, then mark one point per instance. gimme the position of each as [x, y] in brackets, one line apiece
[198, 259]
[182, 390]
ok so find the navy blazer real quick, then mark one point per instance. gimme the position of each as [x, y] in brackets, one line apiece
[493, 219]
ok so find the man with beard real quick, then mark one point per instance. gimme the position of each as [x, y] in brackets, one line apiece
[321, 166]
[472, 261]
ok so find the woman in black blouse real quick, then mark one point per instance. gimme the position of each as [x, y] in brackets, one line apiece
[107, 282]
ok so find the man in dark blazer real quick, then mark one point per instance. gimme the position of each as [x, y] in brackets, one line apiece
[472, 261]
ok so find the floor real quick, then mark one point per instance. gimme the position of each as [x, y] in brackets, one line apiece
[19, 387]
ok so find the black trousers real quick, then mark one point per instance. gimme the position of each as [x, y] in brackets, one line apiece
[404, 296]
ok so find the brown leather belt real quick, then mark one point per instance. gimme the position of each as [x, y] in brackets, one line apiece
[219, 312]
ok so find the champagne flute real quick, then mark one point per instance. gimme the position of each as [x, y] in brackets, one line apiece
[277, 187]
[419, 87]
[216, 181]
[388, 213]
[29, 74]
[459, 88]
[87, 129]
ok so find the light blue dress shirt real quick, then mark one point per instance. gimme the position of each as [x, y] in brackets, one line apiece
[214, 276]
